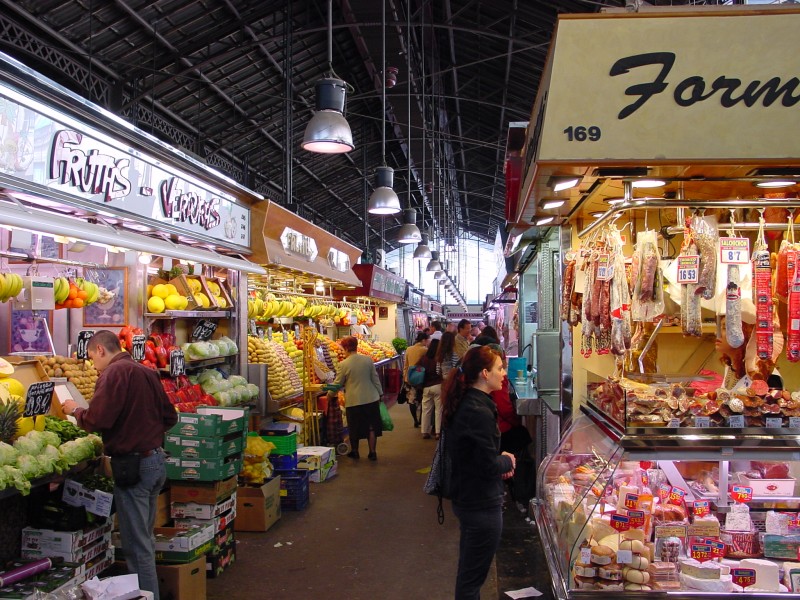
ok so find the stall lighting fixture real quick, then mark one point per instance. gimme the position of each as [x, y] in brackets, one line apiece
[551, 204]
[384, 200]
[544, 221]
[615, 201]
[434, 264]
[596, 214]
[422, 250]
[409, 232]
[115, 249]
[439, 275]
[145, 258]
[775, 183]
[648, 183]
[559, 184]
[319, 286]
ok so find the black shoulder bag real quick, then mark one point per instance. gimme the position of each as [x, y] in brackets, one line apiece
[439, 481]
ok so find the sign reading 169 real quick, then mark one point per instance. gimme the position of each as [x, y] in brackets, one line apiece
[580, 133]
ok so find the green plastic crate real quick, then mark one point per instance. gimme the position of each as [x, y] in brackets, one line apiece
[284, 444]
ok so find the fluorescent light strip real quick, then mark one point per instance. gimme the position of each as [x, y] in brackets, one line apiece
[551, 204]
[52, 224]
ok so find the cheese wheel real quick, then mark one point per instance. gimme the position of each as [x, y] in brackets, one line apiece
[634, 546]
[635, 575]
[637, 586]
[639, 562]
[634, 534]
[582, 570]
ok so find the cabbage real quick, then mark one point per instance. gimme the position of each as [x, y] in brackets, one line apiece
[223, 385]
[29, 466]
[80, 449]
[13, 477]
[223, 398]
[208, 375]
[51, 460]
[253, 390]
[232, 348]
[29, 443]
[237, 380]
[199, 350]
[8, 454]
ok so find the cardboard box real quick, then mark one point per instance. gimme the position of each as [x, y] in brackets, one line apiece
[182, 582]
[202, 492]
[224, 290]
[181, 446]
[313, 457]
[175, 544]
[79, 555]
[62, 541]
[217, 562]
[226, 536]
[258, 508]
[218, 523]
[46, 581]
[162, 509]
[203, 469]
[194, 510]
[325, 472]
[769, 487]
[94, 501]
[98, 565]
[211, 421]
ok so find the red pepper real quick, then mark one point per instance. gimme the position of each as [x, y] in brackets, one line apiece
[150, 354]
[162, 356]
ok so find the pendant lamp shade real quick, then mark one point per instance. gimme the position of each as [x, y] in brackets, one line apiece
[409, 232]
[434, 264]
[422, 250]
[383, 201]
[328, 131]
[440, 276]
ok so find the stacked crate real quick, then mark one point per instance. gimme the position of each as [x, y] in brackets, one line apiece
[205, 458]
[294, 483]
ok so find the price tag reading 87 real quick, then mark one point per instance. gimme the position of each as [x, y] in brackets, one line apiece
[743, 577]
[688, 268]
[741, 493]
[701, 552]
[734, 251]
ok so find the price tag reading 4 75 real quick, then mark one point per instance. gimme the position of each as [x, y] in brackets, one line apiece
[688, 269]
[741, 493]
[734, 251]
[743, 577]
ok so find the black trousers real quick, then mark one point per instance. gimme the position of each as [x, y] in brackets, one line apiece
[480, 539]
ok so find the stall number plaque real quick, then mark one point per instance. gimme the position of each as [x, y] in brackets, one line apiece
[203, 330]
[137, 352]
[734, 251]
[743, 577]
[177, 363]
[688, 268]
[39, 397]
[83, 341]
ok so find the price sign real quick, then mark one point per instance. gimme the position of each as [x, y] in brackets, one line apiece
[177, 363]
[676, 496]
[203, 330]
[741, 493]
[702, 421]
[586, 556]
[137, 352]
[252, 326]
[701, 552]
[296, 331]
[83, 341]
[688, 268]
[743, 577]
[674, 423]
[774, 422]
[736, 421]
[794, 422]
[38, 398]
[620, 522]
[624, 557]
[636, 518]
[717, 547]
[631, 501]
[701, 508]
[285, 336]
[605, 269]
[734, 251]
[664, 491]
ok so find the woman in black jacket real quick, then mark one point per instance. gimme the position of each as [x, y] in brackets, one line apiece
[478, 467]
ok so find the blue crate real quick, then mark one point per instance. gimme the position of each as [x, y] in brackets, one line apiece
[284, 462]
[294, 488]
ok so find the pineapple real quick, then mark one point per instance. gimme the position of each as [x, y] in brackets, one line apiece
[9, 415]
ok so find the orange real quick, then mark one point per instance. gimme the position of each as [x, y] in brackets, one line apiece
[73, 292]
[83, 295]
[77, 302]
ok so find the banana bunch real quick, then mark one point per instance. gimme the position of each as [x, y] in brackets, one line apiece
[92, 290]
[74, 294]
[286, 307]
[61, 289]
[254, 308]
[10, 286]
[320, 310]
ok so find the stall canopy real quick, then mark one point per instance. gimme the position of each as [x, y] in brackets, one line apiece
[377, 283]
[289, 243]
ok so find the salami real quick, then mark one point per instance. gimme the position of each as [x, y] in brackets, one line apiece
[781, 275]
[762, 300]
[567, 288]
[793, 321]
[649, 266]
[733, 308]
[705, 237]
[691, 320]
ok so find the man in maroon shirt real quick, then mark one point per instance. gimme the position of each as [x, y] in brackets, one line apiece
[131, 411]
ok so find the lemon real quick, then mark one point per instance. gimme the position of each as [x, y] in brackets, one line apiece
[160, 291]
[174, 301]
[184, 302]
[172, 289]
[156, 304]
[14, 386]
[221, 302]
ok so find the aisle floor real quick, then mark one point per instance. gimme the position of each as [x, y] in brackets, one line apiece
[371, 533]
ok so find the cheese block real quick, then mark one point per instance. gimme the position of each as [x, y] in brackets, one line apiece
[634, 534]
[738, 519]
[767, 577]
[582, 570]
[623, 491]
[612, 541]
[601, 528]
[723, 584]
[790, 568]
[694, 568]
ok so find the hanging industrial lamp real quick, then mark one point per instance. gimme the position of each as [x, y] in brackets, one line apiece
[328, 132]
[383, 200]
[434, 264]
[422, 250]
[409, 232]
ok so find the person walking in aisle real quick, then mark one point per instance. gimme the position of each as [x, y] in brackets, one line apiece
[131, 412]
[362, 394]
[431, 392]
[446, 356]
[413, 354]
[462, 337]
[436, 330]
[478, 467]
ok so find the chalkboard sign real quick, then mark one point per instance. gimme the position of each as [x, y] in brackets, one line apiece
[39, 397]
[137, 352]
[203, 330]
[83, 341]
[177, 363]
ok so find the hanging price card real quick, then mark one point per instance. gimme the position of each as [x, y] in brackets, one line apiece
[701, 508]
[586, 556]
[773, 422]
[296, 331]
[688, 268]
[736, 421]
[636, 518]
[38, 398]
[83, 341]
[676, 496]
[620, 522]
[734, 251]
[701, 552]
[285, 336]
[203, 330]
[631, 501]
[702, 421]
[794, 422]
[664, 490]
[741, 493]
[605, 268]
[624, 557]
[743, 577]
[177, 363]
[137, 352]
